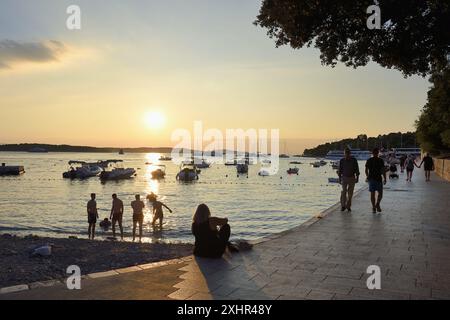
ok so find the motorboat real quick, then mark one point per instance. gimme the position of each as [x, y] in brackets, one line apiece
[165, 158]
[295, 162]
[201, 163]
[315, 164]
[292, 171]
[263, 172]
[242, 168]
[231, 162]
[11, 170]
[113, 171]
[82, 170]
[322, 162]
[283, 155]
[159, 172]
[188, 172]
[333, 180]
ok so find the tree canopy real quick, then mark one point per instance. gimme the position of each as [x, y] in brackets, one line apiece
[433, 125]
[414, 36]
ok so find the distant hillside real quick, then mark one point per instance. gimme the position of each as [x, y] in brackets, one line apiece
[386, 141]
[25, 147]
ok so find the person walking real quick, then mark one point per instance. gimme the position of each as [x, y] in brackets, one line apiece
[410, 164]
[92, 214]
[138, 216]
[428, 165]
[402, 163]
[348, 176]
[376, 176]
[116, 215]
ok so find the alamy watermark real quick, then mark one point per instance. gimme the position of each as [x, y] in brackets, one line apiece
[73, 282]
[233, 145]
[374, 280]
[73, 21]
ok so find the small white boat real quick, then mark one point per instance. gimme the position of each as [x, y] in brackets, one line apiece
[82, 170]
[263, 172]
[201, 163]
[112, 171]
[165, 158]
[188, 172]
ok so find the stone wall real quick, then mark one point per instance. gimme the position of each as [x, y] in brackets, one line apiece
[442, 168]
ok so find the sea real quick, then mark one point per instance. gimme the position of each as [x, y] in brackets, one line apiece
[41, 202]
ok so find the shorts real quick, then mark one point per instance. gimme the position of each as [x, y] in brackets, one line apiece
[138, 218]
[409, 169]
[92, 218]
[375, 185]
[428, 168]
[117, 217]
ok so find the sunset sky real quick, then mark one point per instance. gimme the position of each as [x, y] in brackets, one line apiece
[181, 61]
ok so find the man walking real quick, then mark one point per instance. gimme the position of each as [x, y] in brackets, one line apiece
[116, 215]
[376, 176]
[138, 215]
[348, 176]
[92, 214]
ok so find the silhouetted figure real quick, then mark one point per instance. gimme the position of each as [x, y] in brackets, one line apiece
[348, 176]
[116, 215]
[138, 216]
[410, 164]
[376, 176]
[402, 163]
[428, 165]
[157, 209]
[105, 224]
[212, 234]
[92, 213]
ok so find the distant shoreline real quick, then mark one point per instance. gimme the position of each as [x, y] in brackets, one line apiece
[44, 148]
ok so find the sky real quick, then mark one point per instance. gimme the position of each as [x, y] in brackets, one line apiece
[185, 61]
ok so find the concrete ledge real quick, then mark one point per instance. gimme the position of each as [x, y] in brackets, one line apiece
[128, 270]
[20, 287]
[103, 274]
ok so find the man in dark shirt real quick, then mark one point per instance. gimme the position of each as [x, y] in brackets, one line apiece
[348, 176]
[376, 176]
[428, 167]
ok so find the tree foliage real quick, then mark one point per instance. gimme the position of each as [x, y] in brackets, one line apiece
[414, 37]
[386, 141]
[433, 125]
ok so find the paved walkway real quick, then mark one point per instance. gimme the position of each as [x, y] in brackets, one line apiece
[325, 259]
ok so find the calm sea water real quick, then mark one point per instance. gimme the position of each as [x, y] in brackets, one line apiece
[41, 202]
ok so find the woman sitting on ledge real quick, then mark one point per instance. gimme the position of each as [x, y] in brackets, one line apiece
[211, 234]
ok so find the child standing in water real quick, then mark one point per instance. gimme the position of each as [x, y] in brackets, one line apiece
[157, 209]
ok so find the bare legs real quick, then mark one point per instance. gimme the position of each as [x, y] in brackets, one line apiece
[91, 231]
[409, 174]
[114, 228]
[140, 230]
[376, 204]
[427, 175]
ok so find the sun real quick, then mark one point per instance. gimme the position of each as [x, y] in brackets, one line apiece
[155, 120]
